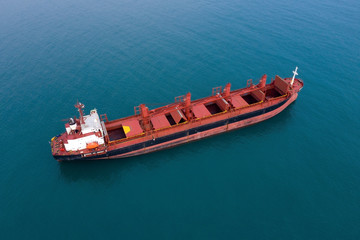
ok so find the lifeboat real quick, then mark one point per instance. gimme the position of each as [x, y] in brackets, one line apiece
[92, 145]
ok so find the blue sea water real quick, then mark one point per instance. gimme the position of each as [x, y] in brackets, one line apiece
[295, 176]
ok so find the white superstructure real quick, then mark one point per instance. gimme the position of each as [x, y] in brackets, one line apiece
[90, 124]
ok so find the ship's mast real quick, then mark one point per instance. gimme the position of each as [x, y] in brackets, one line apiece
[293, 78]
[80, 106]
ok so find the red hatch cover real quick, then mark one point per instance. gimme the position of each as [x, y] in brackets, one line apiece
[238, 101]
[281, 85]
[200, 111]
[160, 121]
[177, 115]
[131, 127]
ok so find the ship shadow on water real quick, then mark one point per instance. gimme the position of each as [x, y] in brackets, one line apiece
[107, 171]
[99, 171]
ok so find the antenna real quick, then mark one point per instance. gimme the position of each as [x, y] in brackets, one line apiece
[293, 78]
[80, 106]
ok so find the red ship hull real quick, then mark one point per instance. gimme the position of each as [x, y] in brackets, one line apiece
[165, 128]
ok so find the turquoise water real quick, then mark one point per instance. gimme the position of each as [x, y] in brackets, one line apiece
[295, 176]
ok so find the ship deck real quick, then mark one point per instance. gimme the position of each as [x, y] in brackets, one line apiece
[204, 110]
[171, 119]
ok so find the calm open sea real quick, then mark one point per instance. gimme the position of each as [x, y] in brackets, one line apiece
[295, 176]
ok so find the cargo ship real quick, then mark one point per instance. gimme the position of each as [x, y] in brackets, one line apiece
[93, 136]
